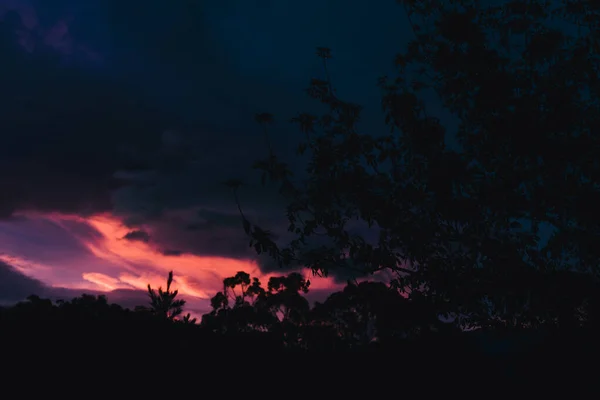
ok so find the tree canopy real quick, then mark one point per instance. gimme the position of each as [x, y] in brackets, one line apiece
[492, 219]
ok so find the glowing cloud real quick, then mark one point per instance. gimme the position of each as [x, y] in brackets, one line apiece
[119, 263]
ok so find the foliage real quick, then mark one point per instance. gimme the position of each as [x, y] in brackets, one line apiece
[163, 303]
[263, 326]
[279, 309]
[355, 317]
[460, 213]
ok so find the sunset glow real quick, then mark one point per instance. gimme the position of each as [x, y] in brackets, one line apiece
[125, 264]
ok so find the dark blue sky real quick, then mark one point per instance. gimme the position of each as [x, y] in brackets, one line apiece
[215, 64]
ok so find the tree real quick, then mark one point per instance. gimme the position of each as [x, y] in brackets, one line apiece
[284, 299]
[370, 312]
[246, 315]
[280, 310]
[460, 213]
[163, 303]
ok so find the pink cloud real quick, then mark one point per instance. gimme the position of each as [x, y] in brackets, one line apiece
[94, 256]
[57, 36]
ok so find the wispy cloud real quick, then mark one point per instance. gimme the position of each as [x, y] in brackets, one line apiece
[94, 257]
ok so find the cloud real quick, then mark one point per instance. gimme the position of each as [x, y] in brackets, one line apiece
[67, 255]
[89, 254]
[41, 29]
[25, 9]
[173, 253]
[56, 266]
[214, 99]
[148, 136]
[15, 286]
[64, 140]
[66, 127]
[137, 235]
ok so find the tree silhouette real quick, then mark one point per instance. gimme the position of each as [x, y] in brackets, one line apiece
[246, 315]
[369, 312]
[284, 299]
[163, 303]
[460, 206]
[279, 310]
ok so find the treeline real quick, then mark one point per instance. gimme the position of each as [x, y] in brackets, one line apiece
[367, 319]
[365, 315]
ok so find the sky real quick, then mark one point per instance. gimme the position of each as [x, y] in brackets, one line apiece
[120, 123]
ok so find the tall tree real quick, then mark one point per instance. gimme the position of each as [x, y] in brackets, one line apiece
[245, 315]
[461, 213]
[163, 303]
[244, 306]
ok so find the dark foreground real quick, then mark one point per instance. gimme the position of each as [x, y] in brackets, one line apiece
[88, 334]
[470, 357]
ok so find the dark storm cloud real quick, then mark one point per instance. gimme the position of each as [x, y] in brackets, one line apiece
[205, 232]
[172, 253]
[138, 235]
[205, 68]
[261, 58]
[63, 132]
[15, 286]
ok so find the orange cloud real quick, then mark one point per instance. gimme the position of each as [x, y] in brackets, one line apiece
[104, 281]
[135, 264]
